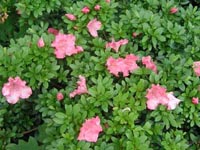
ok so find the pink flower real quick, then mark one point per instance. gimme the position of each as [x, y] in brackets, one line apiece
[152, 104]
[173, 10]
[196, 67]
[113, 65]
[16, 89]
[173, 101]
[65, 45]
[81, 89]
[85, 10]
[115, 45]
[70, 17]
[126, 65]
[157, 95]
[59, 96]
[195, 100]
[107, 1]
[130, 62]
[149, 63]
[93, 26]
[90, 130]
[53, 31]
[40, 43]
[97, 7]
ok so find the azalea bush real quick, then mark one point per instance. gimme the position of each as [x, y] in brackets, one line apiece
[96, 75]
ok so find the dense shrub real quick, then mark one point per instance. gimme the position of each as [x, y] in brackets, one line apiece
[47, 120]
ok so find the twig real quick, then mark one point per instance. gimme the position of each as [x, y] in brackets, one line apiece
[29, 131]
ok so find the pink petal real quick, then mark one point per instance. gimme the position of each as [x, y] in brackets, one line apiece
[152, 104]
[12, 99]
[196, 67]
[59, 96]
[173, 10]
[97, 7]
[195, 100]
[173, 101]
[157, 93]
[81, 89]
[90, 130]
[149, 63]
[115, 45]
[130, 61]
[5, 89]
[85, 10]
[26, 92]
[70, 17]
[65, 45]
[93, 26]
[53, 31]
[40, 43]
[16, 89]
[60, 54]
[125, 66]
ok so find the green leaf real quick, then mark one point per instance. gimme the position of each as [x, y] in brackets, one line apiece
[141, 85]
[161, 38]
[105, 107]
[76, 109]
[60, 115]
[139, 71]
[154, 41]
[144, 39]
[92, 91]
[58, 120]
[23, 145]
[172, 120]
[63, 128]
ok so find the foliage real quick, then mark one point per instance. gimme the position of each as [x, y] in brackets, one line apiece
[43, 122]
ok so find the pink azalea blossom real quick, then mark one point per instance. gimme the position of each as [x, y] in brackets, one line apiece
[93, 26]
[126, 65]
[70, 17]
[97, 7]
[16, 89]
[40, 43]
[113, 65]
[196, 67]
[130, 63]
[173, 10]
[107, 1]
[53, 31]
[59, 96]
[157, 95]
[65, 45]
[195, 100]
[115, 45]
[152, 104]
[147, 61]
[172, 102]
[85, 10]
[81, 89]
[90, 130]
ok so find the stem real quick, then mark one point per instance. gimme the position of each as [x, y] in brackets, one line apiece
[29, 131]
